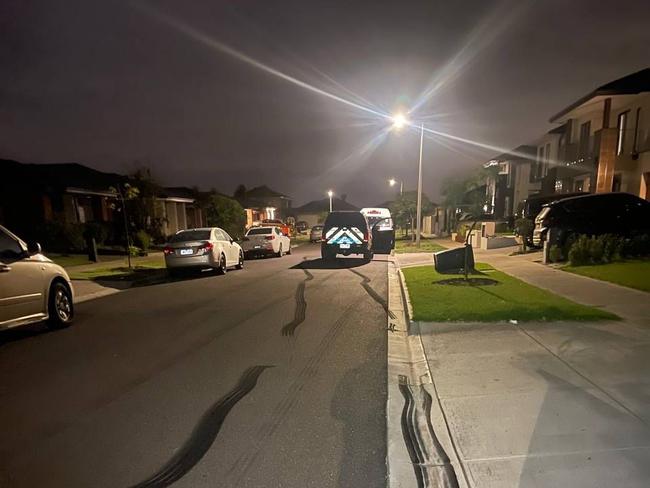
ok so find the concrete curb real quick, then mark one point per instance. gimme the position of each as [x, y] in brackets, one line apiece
[420, 452]
[98, 294]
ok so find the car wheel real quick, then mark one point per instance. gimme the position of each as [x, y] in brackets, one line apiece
[289, 251]
[279, 254]
[240, 264]
[327, 255]
[367, 256]
[222, 269]
[60, 307]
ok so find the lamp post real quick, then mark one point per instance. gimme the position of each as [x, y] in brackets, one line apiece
[393, 182]
[399, 121]
[330, 193]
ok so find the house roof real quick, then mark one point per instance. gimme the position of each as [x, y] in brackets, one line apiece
[520, 152]
[178, 192]
[318, 206]
[59, 175]
[628, 85]
[263, 192]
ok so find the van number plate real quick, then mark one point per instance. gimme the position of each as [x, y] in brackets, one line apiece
[344, 246]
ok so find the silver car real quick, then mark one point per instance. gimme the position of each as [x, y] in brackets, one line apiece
[209, 247]
[266, 241]
[316, 233]
[32, 287]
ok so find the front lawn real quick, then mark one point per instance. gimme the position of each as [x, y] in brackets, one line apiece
[67, 260]
[508, 299]
[633, 274]
[426, 245]
[118, 269]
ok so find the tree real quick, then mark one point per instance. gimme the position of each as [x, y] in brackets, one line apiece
[225, 212]
[404, 209]
[240, 193]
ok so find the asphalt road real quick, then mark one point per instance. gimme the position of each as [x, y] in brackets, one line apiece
[270, 376]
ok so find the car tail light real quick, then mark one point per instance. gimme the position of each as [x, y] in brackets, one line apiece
[365, 236]
[168, 250]
[207, 247]
[322, 236]
[269, 238]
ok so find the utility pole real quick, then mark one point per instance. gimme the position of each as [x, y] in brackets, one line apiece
[419, 204]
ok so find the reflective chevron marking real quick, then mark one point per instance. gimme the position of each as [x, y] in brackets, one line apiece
[344, 235]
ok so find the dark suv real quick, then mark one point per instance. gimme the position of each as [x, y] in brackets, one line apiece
[604, 213]
[346, 233]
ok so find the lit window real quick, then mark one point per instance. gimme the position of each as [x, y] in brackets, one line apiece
[558, 186]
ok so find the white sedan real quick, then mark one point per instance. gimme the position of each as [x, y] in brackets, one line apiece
[266, 241]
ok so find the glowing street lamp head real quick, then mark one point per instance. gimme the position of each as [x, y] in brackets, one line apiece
[399, 121]
[330, 193]
[392, 182]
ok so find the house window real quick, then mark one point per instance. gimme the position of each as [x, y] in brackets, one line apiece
[585, 131]
[622, 127]
[558, 186]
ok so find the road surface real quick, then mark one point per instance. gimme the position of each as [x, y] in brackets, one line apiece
[270, 376]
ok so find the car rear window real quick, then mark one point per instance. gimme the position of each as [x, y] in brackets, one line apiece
[258, 231]
[347, 219]
[191, 235]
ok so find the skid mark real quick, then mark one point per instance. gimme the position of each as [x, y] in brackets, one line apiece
[204, 434]
[371, 291]
[301, 306]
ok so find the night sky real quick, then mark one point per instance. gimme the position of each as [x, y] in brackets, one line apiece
[115, 85]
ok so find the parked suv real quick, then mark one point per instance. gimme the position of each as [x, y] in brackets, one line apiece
[32, 288]
[604, 213]
[533, 205]
[346, 233]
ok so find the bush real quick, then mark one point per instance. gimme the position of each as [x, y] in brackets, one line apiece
[555, 254]
[579, 251]
[61, 237]
[97, 231]
[607, 248]
[134, 251]
[142, 240]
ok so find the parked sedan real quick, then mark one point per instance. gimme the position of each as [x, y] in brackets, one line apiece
[196, 249]
[316, 233]
[32, 288]
[266, 241]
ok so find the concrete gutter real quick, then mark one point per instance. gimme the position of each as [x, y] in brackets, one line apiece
[420, 450]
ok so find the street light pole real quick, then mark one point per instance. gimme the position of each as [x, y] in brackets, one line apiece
[419, 207]
[329, 194]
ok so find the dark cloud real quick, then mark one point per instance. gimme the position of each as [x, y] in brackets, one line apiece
[106, 84]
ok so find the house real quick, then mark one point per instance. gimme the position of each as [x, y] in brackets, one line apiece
[263, 203]
[314, 211]
[178, 208]
[606, 141]
[512, 177]
[69, 193]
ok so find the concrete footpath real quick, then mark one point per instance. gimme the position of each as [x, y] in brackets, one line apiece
[85, 290]
[538, 404]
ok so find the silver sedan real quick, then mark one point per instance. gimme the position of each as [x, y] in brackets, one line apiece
[209, 247]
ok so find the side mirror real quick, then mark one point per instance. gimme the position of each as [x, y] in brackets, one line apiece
[34, 248]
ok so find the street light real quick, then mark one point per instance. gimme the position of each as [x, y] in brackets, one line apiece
[393, 182]
[399, 121]
[330, 193]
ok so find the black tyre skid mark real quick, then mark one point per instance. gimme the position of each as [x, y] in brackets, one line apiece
[371, 291]
[301, 306]
[204, 434]
[417, 453]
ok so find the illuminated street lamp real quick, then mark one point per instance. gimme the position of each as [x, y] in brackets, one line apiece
[330, 194]
[393, 182]
[399, 121]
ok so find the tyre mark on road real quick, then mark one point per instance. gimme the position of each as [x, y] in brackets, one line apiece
[371, 291]
[285, 406]
[301, 306]
[204, 434]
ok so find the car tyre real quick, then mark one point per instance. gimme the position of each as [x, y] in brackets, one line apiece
[289, 251]
[222, 269]
[368, 256]
[240, 264]
[60, 307]
[279, 253]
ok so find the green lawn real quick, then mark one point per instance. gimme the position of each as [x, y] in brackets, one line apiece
[509, 299]
[117, 268]
[633, 274]
[426, 245]
[66, 260]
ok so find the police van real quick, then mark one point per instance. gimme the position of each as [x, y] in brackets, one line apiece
[346, 233]
[381, 225]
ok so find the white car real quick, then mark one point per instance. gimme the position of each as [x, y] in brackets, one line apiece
[196, 249]
[32, 287]
[266, 241]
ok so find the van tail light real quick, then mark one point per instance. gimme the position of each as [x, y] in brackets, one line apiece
[269, 238]
[168, 250]
[365, 236]
[322, 236]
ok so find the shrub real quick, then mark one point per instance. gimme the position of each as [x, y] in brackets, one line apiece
[555, 254]
[97, 231]
[579, 253]
[612, 246]
[61, 237]
[134, 251]
[142, 240]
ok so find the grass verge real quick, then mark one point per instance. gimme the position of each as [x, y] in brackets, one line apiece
[67, 260]
[507, 299]
[119, 269]
[633, 273]
[426, 245]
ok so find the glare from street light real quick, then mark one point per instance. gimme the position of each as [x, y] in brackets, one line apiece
[330, 193]
[399, 121]
[392, 182]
